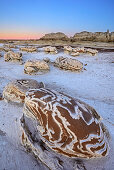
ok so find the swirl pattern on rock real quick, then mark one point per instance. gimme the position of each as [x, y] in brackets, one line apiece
[69, 127]
[68, 64]
[15, 90]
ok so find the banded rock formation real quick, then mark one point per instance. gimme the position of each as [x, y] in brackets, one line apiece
[11, 56]
[50, 49]
[15, 90]
[66, 125]
[35, 66]
[68, 64]
[94, 36]
[55, 36]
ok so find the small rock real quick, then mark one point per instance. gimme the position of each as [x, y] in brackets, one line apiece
[11, 56]
[68, 63]
[15, 90]
[34, 66]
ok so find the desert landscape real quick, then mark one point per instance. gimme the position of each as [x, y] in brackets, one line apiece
[56, 85]
[83, 69]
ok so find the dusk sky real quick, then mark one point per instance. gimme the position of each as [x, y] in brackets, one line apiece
[25, 19]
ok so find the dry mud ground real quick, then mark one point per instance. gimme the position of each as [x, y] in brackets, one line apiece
[95, 86]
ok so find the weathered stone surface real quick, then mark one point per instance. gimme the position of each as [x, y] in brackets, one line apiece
[11, 56]
[10, 46]
[50, 49]
[94, 36]
[65, 125]
[46, 59]
[5, 49]
[33, 143]
[68, 48]
[34, 66]
[29, 49]
[55, 36]
[68, 63]
[91, 51]
[74, 54]
[79, 49]
[112, 37]
[15, 90]
[0, 55]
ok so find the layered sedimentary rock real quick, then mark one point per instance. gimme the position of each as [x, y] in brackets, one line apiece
[15, 90]
[50, 49]
[79, 49]
[66, 125]
[11, 56]
[29, 49]
[55, 36]
[34, 66]
[94, 36]
[68, 64]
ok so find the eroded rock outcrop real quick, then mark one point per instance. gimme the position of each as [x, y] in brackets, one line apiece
[11, 56]
[64, 124]
[55, 36]
[68, 64]
[94, 36]
[15, 90]
[50, 49]
[34, 66]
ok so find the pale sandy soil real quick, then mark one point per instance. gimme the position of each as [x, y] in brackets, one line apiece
[95, 86]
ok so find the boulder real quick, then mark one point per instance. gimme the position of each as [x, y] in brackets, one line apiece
[91, 51]
[68, 48]
[65, 125]
[11, 56]
[10, 46]
[79, 49]
[68, 64]
[74, 54]
[34, 66]
[50, 49]
[15, 90]
[29, 49]
[55, 36]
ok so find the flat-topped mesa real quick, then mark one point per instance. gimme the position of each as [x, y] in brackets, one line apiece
[34, 66]
[50, 49]
[29, 49]
[11, 56]
[15, 90]
[55, 36]
[66, 125]
[68, 64]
